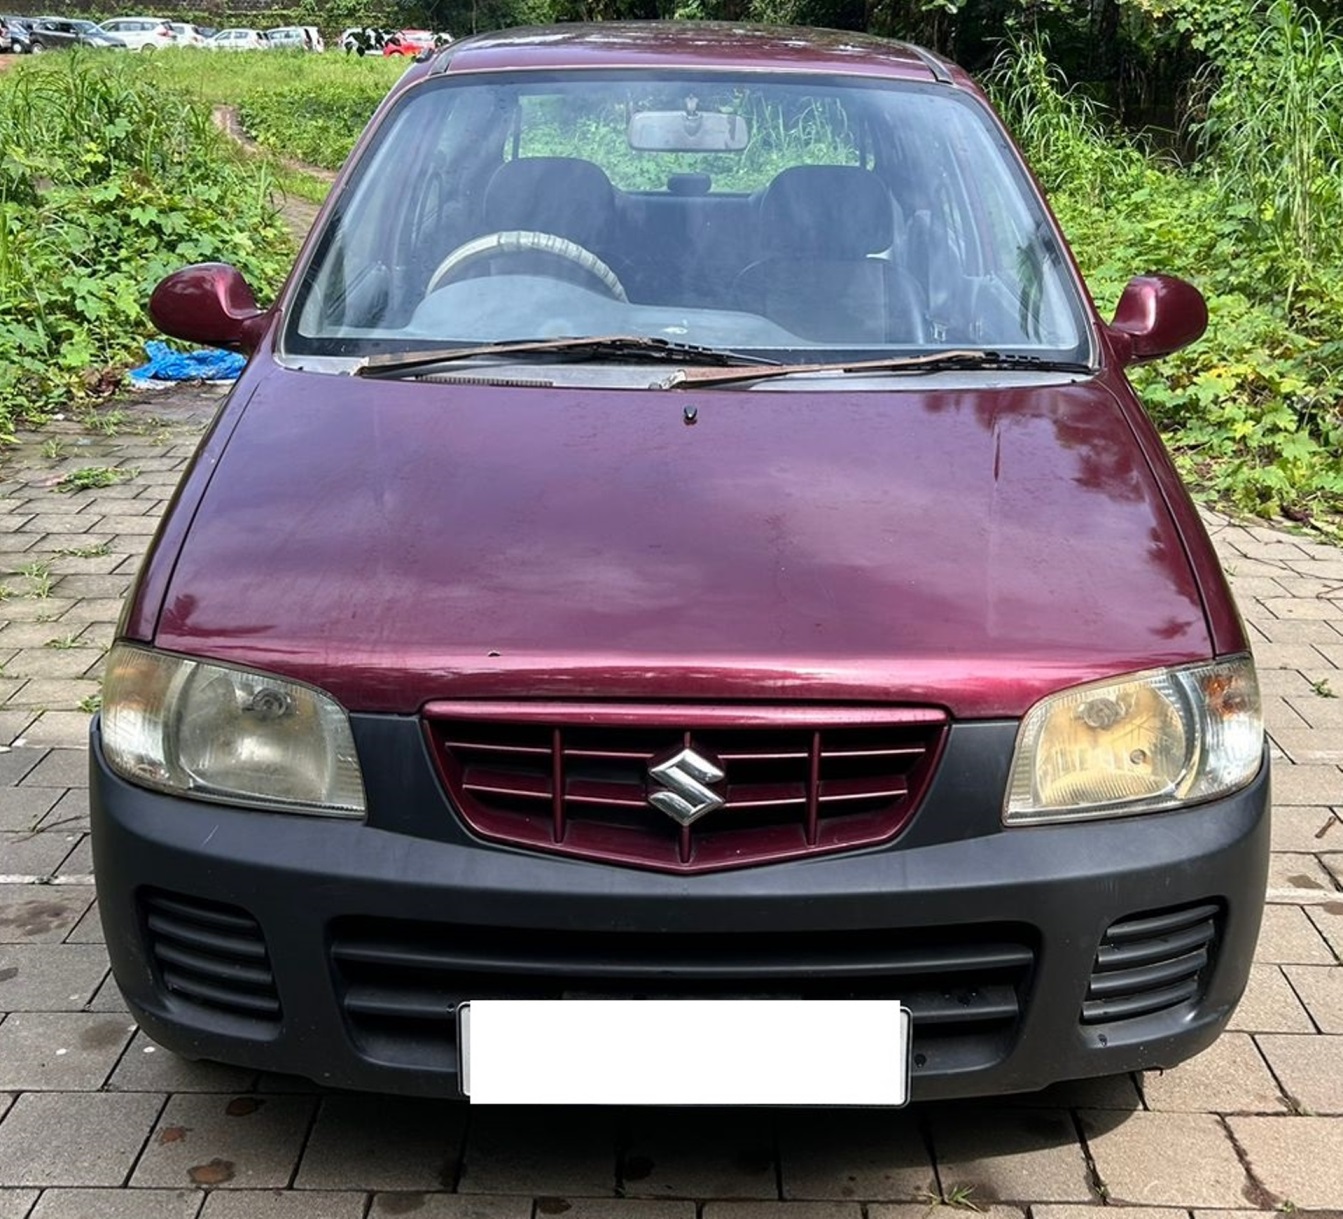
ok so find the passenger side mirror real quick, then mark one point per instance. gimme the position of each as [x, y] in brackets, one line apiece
[209, 303]
[1157, 315]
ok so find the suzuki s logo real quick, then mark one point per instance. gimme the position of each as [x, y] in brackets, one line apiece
[683, 778]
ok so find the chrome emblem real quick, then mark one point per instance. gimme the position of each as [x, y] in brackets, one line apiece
[684, 776]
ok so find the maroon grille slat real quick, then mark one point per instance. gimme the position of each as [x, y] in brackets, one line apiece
[795, 784]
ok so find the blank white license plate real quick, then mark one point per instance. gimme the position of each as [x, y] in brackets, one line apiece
[684, 1051]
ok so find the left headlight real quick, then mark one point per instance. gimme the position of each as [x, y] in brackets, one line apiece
[216, 732]
[1138, 744]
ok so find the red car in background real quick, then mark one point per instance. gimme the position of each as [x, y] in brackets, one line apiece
[409, 42]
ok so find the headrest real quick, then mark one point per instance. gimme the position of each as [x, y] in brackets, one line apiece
[826, 211]
[566, 196]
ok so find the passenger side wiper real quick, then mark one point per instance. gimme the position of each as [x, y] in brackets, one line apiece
[642, 347]
[938, 361]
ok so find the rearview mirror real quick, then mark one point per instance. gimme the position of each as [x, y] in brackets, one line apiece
[209, 303]
[1157, 315]
[688, 130]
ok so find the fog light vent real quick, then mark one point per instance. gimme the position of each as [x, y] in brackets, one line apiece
[1150, 962]
[210, 954]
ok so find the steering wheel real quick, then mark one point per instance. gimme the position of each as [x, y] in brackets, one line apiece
[525, 241]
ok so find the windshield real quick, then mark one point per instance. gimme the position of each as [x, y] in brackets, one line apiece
[792, 217]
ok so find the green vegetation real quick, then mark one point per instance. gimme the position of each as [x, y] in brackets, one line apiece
[89, 477]
[1252, 412]
[108, 180]
[1242, 194]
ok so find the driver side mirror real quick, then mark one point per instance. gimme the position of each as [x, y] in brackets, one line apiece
[1157, 315]
[209, 303]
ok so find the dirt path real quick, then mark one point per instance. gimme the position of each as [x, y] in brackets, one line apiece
[298, 213]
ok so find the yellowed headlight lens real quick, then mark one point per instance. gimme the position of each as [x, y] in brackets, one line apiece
[218, 732]
[1150, 741]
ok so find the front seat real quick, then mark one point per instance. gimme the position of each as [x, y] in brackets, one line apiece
[819, 227]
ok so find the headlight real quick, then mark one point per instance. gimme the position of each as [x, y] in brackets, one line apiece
[1136, 744]
[217, 732]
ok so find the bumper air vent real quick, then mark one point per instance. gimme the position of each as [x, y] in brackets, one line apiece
[210, 954]
[1151, 962]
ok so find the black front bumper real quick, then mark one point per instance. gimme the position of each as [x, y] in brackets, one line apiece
[338, 950]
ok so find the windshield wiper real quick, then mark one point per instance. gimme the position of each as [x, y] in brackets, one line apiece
[639, 347]
[938, 361]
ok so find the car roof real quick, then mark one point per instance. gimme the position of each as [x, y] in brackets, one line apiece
[699, 44]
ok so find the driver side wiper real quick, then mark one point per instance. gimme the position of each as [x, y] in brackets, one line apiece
[645, 347]
[938, 361]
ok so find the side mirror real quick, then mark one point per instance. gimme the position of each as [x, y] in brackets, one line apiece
[1157, 315]
[209, 303]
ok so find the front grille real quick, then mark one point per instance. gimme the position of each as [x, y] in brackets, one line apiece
[400, 983]
[577, 780]
[1151, 962]
[210, 954]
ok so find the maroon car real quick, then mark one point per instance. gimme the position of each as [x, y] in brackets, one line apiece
[683, 604]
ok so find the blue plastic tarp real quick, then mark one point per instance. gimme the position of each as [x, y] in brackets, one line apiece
[208, 364]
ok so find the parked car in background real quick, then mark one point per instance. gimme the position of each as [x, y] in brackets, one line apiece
[59, 33]
[188, 35]
[19, 38]
[409, 42]
[239, 39]
[291, 38]
[683, 605]
[6, 39]
[141, 33]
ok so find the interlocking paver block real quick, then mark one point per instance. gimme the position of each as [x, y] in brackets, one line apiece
[1310, 1068]
[712, 1153]
[1288, 937]
[62, 729]
[22, 808]
[494, 1206]
[871, 1156]
[1294, 1159]
[70, 814]
[1306, 745]
[235, 1142]
[146, 1067]
[60, 1051]
[34, 854]
[1010, 1155]
[1165, 1159]
[1228, 1077]
[1270, 1005]
[1104, 1092]
[44, 916]
[906, 1210]
[551, 1151]
[1063, 1211]
[50, 662]
[1305, 828]
[385, 1143]
[605, 1208]
[74, 1138]
[1320, 988]
[275, 1204]
[50, 976]
[16, 1203]
[783, 1210]
[59, 768]
[1328, 921]
[117, 1204]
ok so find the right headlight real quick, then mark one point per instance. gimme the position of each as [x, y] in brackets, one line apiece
[1137, 744]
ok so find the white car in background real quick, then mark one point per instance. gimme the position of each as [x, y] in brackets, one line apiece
[141, 33]
[239, 40]
[188, 35]
[295, 38]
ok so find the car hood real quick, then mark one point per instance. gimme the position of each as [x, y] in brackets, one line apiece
[399, 542]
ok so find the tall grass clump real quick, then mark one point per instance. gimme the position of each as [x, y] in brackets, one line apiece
[107, 182]
[1273, 139]
[1252, 411]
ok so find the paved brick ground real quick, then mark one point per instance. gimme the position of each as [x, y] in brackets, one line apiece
[96, 1121]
